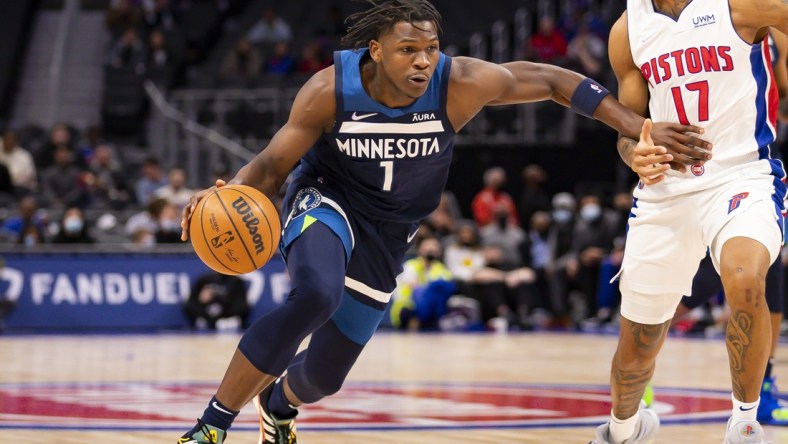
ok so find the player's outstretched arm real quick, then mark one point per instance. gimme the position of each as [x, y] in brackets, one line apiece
[781, 71]
[752, 17]
[477, 83]
[311, 115]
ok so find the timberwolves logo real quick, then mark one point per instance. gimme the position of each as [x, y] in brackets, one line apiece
[305, 200]
[698, 169]
[222, 239]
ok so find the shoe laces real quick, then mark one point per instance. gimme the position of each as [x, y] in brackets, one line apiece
[206, 431]
[286, 432]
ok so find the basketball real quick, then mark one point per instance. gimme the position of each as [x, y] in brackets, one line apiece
[235, 229]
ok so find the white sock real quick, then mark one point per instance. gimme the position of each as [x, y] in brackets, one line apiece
[622, 429]
[744, 411]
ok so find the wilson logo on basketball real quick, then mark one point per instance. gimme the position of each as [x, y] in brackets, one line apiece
[245, 211]
[222, 239]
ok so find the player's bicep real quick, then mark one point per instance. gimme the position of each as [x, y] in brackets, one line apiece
[780, 67]
[632, 87]
[311, 115]
[760, 14]
[289, 144]
[521, 82]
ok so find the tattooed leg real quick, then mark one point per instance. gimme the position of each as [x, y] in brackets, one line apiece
[744, 265]
[633, 364]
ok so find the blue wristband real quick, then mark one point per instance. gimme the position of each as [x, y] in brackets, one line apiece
[587, 97]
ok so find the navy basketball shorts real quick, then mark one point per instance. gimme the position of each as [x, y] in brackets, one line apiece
[375, 252]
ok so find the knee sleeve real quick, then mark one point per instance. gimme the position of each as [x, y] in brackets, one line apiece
[648, 309]
[316, 262]
[321, 369]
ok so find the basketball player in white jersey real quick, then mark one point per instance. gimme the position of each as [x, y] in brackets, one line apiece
[704, 62]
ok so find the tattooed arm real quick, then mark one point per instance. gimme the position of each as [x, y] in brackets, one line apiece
[633, 93]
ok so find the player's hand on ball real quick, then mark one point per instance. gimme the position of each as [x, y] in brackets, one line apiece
[650, 162]
[683, 143]
[189, 208]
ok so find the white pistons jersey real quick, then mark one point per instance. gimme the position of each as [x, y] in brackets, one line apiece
[701, 72]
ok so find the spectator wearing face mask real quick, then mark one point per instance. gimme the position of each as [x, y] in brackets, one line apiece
[28, 226]
[491, 197]
[608, 296]
[169, 225]
[560, 247]
[73, 229]
[592, 241]
[506, 302]
[537, 256]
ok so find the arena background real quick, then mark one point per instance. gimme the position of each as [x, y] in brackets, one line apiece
[124, 107]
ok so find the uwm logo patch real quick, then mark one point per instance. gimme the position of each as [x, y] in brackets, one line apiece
[358, 406]
[704, 20]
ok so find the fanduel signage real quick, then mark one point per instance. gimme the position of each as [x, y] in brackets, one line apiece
[118, 290]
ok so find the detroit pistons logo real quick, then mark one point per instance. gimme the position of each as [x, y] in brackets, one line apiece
[735, 201]
[698, 169]
[358, 406]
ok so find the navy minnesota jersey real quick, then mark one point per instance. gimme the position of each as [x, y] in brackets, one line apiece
[385, 163]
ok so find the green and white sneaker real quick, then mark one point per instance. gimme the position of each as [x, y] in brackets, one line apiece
[272, 429]
[203, 433]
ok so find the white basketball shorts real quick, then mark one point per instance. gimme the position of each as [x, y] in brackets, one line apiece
[667, 238]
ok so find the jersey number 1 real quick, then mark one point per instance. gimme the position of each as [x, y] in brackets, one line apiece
[702, 88]
[388, 173]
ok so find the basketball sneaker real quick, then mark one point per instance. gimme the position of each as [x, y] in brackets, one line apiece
[203, 433]
[273, 430]
[744, 432]
[772, 410]
[645, 429]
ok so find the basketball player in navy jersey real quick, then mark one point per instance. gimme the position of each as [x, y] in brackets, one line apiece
[703, 62]
[374, 137]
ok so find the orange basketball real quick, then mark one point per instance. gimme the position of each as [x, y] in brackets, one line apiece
[235, 229]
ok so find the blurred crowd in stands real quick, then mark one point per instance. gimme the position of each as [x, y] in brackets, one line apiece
[60, 187]
[517, 262]
[523, 261]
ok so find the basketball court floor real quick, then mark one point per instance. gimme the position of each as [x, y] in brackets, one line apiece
[406, 388]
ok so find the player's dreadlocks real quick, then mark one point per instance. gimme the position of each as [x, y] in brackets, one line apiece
[370, 24]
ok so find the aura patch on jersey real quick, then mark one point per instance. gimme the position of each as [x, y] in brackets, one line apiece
[735, 201]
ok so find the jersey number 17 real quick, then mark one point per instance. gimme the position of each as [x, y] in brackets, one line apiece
[702, 88]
